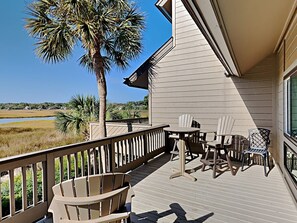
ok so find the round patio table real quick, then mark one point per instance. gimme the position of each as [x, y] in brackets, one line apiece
[183, 133]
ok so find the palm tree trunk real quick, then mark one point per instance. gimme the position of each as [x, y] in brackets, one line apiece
[102, 91]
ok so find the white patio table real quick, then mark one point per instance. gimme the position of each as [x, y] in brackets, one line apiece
[183, 133]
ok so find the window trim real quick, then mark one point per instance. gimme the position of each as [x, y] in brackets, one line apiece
[286, 105]
[286, 147]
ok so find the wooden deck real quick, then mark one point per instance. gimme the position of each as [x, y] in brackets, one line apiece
[248, 196]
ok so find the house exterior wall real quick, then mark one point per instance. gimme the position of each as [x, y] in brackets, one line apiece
[287, 61]
[190, 79]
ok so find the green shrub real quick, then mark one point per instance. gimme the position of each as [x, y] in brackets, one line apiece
[18, 191]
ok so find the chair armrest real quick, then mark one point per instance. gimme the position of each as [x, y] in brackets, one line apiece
[225, 134]
[109, 218]
[130, 195]
[207, 131]
[78, 201]
[223, 139]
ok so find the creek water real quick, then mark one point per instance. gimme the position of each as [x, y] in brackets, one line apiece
[8, 120]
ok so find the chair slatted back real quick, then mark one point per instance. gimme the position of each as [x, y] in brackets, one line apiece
[225, 126]
[185, 120]
[259, 138]
[91, 186]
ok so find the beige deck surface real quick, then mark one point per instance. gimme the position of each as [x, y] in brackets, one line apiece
[248, 196]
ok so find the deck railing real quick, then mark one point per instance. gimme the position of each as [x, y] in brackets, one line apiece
[117, 127]
[34, 174]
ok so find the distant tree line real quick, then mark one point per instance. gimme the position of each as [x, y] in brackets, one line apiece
[112, 107]
[34, 106]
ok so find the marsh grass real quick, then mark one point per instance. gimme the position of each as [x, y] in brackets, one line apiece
[23, 137]
[27, 113]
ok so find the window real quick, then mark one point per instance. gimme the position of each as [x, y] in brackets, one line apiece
[291, 105]
[291, 162]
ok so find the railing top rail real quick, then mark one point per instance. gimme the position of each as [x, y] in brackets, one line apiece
[92, 143]
[127, 120]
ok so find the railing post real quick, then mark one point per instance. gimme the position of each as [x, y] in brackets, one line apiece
[112, 156]
[50, 179]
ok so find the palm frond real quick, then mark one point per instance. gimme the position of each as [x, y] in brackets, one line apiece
[83, 110]
[57, 44]
[86, 61]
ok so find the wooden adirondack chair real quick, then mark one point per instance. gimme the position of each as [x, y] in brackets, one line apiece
[223, 140]
[90, 199]
[184, 120]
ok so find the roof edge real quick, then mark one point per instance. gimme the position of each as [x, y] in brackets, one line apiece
[199, 19]
[160, 5]
[131, 81]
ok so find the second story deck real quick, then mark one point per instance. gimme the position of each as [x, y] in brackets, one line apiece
[248, 196]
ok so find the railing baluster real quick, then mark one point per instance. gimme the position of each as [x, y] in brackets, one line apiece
[11, 192]
[154, 140]
[145, 144]
[136, 148]
[148, 142]
[108, 157]
[140, 146]
[100, 159]
[139, 149]
[61, 168]
[124, 152]
[24, 188]
[127, 154]
[89, 162]
[68, 166]
[127, 151]
[44, 197]
[112, 156]
[118, 154]
[75, 165]
[131, 149]
[82, 164]
[95, 163]
[35, 193]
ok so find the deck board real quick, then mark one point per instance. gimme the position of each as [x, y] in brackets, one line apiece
[248, 196]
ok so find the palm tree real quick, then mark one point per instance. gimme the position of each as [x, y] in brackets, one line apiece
[83, 110]
[109, 31]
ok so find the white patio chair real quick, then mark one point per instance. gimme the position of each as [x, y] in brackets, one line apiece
[184, 120]
[90, 199]
[222, 140]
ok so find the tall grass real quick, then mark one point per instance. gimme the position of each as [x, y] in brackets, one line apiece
[24, 137]
[27, 113]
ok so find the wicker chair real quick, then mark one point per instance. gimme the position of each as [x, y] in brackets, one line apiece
[258, 144]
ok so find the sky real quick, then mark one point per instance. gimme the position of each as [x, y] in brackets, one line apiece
[26, 78]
